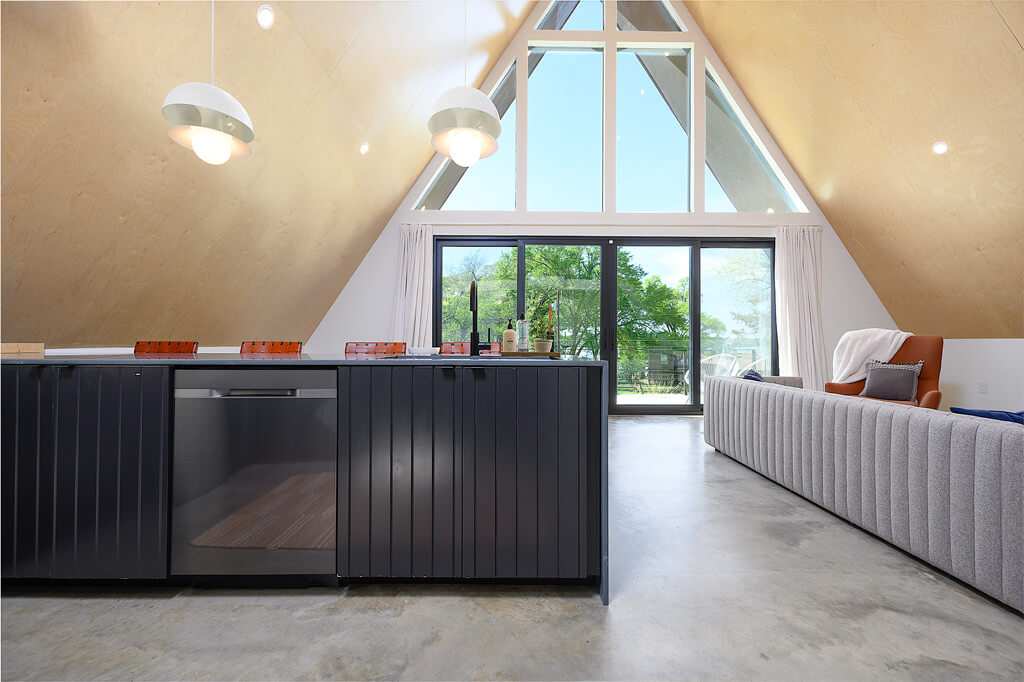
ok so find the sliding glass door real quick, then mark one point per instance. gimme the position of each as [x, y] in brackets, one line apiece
[493, 266]
[737, 310]
[652, 340]
[563, 282]
[664, 312]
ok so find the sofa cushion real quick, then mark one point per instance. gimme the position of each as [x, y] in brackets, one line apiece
[887, 381]
[912, 403]
[753, 375]
[1002, 415]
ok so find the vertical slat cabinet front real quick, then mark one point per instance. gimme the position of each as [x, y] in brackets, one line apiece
[568, 438]
[480, 410]
[380, 471]
[87, 461]
[9, 404]
[28, 430]
[525, 482]
[401, 470]
[398, 436]
[505, 472]
[443, 471]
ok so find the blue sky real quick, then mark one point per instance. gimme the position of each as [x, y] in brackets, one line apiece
[565, 149]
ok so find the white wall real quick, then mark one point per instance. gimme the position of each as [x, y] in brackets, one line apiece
[997, 363]
[363, 309]
[362, 312]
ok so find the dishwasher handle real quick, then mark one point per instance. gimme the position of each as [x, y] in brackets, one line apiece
[255, 393]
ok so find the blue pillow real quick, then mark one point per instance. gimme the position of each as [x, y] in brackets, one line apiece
[1002, 415]
[753, 375]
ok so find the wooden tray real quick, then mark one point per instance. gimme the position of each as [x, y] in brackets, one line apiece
[532, 354]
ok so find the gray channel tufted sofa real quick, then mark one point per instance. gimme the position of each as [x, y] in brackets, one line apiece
[946, 488]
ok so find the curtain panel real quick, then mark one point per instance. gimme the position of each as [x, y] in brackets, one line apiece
[798, 290]
[413, 300]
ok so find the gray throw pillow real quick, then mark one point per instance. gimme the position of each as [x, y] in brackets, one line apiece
[892, 382]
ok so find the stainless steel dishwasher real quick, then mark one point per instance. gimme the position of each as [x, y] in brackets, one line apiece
[254, 472]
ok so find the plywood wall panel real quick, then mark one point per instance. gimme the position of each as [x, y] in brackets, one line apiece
[855, 93]
[111, 232]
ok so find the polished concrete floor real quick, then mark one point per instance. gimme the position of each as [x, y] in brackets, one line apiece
[716, 573]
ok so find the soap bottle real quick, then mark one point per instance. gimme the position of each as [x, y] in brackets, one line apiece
[522, 334]
[508, 339]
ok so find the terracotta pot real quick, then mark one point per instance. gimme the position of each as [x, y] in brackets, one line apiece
[542, 345]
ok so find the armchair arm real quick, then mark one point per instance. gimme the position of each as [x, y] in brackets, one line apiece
[931, 400]
[843, 389]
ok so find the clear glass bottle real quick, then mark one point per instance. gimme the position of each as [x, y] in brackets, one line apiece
[522, 334]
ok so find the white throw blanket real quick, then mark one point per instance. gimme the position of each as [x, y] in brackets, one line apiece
[856, 348]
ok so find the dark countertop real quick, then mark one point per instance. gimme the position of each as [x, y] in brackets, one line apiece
[321, 359]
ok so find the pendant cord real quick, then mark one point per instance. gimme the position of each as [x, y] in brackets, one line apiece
[465, 43]
[211, 42]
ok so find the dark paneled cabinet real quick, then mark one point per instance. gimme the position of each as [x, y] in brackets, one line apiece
[469, 472]
[84, 472]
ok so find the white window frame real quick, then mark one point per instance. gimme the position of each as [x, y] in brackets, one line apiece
[696, 222]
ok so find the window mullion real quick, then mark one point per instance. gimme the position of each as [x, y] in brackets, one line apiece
[698, 128]
[609, 127]
[522, 78]
[609, 106]
[520, 277]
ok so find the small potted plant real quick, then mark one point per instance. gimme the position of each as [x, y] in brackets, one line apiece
[543, 332]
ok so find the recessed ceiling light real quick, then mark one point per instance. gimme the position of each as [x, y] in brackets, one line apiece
[771, 210]
[265, 16]
[364, 147]
[940, 147]
[641, 91]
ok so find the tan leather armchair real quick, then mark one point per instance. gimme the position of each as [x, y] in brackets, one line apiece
[927, 348]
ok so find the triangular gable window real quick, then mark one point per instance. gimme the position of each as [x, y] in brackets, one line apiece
[574, 15]
[738, 176]
[565, 167]
[646, 15]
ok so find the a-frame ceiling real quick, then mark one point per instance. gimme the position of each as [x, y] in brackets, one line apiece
[112, 233]
[855, 93]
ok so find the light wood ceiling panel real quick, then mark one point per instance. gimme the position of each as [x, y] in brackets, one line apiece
[112, 233]
[855, 93]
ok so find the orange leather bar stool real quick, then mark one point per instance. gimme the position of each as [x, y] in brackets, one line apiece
[375, 348]
[166, 348]
[462, 348]
[271, 348]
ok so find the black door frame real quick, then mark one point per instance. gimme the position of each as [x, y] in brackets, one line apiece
[612, 356]
[609, 297]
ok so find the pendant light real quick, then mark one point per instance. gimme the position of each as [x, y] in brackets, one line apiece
[464, 121]
[208, 120]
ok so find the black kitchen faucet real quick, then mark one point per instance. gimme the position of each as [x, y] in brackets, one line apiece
[474, 336]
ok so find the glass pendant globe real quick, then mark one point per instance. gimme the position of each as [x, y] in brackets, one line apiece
[212, 146]
[465, 148]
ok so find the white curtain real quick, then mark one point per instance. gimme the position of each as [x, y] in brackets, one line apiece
[411, 319]
[798, 294]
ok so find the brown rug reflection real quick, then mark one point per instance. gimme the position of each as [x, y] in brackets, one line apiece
[298, 514]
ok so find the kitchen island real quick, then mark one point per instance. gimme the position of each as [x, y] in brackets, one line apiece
[441, 468]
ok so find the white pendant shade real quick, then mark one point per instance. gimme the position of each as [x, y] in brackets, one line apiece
[464, 125]
[209, 121]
